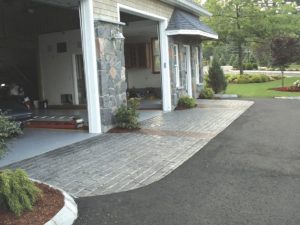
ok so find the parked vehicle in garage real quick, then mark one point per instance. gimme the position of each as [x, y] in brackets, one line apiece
[15, 109]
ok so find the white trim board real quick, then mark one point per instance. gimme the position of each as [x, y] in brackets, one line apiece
[137, 12]
[90, 65]
[191, 32]
[189, 70]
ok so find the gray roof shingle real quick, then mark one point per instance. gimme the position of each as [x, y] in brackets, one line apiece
[182, 20]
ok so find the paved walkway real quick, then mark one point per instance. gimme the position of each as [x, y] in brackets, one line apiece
[248, 175]
[119, 162]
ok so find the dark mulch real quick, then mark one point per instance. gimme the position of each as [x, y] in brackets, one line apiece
[287, 89]
[184, 108]
[123, 130]
[45, 209]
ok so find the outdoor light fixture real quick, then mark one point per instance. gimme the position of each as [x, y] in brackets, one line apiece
[118, 38]
[3, 85]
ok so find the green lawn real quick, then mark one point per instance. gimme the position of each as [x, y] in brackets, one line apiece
[261, 89]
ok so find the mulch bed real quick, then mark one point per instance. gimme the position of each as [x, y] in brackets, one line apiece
[287, 89]
[44, 210]
[184, 108]
[123, 130]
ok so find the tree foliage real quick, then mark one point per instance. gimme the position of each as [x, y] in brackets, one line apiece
[251, 25]
[285, 51]
[237, 22]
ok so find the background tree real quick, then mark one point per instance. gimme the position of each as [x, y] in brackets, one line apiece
[237, 22]
[285, 51]
[249, 26]
[280, 19]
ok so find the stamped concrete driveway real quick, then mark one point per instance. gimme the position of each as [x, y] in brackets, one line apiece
[249, 174]
[116, 162]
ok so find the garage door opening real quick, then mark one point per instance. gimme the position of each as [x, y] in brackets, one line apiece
[41, 59]
[42, 65]
[143, 60]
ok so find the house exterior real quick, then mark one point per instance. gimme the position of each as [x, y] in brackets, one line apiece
[181, 34]
[161, 52]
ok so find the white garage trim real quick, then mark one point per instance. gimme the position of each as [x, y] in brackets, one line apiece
[192, 32]
[90, 65]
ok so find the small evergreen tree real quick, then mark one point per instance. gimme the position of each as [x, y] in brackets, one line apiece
[17, 192]
[216, 78]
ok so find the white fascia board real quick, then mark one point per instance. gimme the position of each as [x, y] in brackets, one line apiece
[189, 6]
[192, 32]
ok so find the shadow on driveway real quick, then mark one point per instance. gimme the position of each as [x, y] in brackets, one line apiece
[249, 174]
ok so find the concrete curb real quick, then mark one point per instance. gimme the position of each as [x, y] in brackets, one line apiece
[288, 98]
[226, 96]
[68, 214]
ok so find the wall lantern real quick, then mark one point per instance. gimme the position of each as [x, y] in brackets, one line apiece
[118, 38]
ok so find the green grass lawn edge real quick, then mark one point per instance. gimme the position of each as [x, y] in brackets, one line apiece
[262, 90]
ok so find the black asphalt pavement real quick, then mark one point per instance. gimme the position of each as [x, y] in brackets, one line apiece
[249, 174]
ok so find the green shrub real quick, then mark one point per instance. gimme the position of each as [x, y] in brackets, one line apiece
[206, 93]
[17, 191]
[275, 77]
[127, 116]
[250, 66]
[255, 66]
[186, 102]
[8, 129]
[256, 79]
[216, 78]
[247, 66]
[242, 79]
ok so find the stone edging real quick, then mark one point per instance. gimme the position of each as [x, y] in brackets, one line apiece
[68, 214]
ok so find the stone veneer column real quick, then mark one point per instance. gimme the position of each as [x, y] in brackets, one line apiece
[111, 72]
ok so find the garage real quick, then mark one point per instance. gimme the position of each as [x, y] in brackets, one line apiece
[41, 54]
[43, 66]
[142, 60]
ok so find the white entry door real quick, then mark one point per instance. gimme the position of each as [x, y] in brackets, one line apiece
[188, 69]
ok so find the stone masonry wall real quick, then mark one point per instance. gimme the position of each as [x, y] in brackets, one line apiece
[194, 42]
[111, 72]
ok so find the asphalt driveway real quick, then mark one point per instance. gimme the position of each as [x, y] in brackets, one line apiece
[248, 174]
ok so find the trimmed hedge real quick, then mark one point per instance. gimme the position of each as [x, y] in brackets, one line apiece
[250, 78]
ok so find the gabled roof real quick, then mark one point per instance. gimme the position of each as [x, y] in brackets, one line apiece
[188, 5]
[184, 23]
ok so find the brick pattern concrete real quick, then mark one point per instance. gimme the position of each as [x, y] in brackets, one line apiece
[119, 162]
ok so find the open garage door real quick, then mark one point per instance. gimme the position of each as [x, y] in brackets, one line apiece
[45, 47]
[42, 57]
